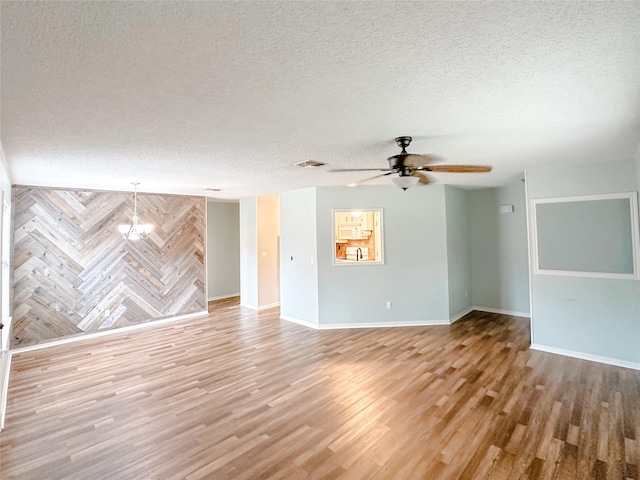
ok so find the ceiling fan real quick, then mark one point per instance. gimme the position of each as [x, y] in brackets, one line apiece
[410, 167]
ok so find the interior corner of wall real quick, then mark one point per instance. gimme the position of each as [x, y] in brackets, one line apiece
[5, 167]
[638, 167]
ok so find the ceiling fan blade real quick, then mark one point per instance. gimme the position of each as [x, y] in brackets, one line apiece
[421, 160]
[360, 182]
[422, 178]
[456, 168]
[360, 170]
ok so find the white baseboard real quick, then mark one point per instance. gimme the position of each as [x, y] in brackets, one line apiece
[271, 305]
[261, 307]
[338, 326]
[298, 321]
[5, 333]
[457, 317]
[5, 368]
[412, 323]
[416, 323]
[586, 356]
[500, 311]
[105, 333]
[222, 297]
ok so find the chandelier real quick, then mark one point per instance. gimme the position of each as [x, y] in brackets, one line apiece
[135, 231]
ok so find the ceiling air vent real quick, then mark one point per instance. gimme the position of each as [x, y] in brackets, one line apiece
[309, 163]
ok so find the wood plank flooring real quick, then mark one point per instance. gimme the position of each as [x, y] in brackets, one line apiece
[243, 395]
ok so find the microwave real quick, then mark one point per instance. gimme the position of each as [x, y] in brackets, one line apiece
[349, 232]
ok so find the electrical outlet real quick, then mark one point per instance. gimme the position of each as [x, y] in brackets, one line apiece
[389, 305]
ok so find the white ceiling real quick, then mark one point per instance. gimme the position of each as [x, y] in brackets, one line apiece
[183, 96]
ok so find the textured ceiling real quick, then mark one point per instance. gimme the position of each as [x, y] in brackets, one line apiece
[184, 96]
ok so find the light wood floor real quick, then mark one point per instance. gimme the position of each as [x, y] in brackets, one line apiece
[242, 395]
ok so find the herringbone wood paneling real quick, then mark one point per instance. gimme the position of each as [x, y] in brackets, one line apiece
[73, 272]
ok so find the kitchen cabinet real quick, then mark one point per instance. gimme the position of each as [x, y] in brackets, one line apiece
[367, 221]
[343, 217]
[353, 227]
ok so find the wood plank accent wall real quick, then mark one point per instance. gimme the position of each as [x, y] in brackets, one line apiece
[74, 273]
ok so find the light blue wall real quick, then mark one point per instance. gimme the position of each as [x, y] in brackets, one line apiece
[298, 262]
[485, 251]
[583, 179]
[437, 241]
[499, 250]
[414, 276]
[223, 249]
[638, 170]
[587, 315]
[248, 252]
[458, 250]
[591, 316]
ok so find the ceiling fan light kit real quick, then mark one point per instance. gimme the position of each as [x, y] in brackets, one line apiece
[409, 167]
[404, 181]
